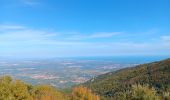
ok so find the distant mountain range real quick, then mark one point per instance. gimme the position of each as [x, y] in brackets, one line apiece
[156, 74]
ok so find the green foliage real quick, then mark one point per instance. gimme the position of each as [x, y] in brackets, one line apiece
[44, 92]
[125, 84]
[140, 92]
[5, 88]
[18, 90]
[13, 90]
[82, 93]
[116, 85]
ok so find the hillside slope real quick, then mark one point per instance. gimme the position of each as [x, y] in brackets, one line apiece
[156, 74]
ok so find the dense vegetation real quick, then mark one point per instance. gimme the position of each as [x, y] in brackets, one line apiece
[121, 84]
[18, 90]
[143, 82]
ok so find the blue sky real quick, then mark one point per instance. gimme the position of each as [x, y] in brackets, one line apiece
[64, 28]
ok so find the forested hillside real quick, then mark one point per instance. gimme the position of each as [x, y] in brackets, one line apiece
[143, 82]
[122, 82]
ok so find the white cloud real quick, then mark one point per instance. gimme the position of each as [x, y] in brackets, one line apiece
[20, 40]
[98, 35]
[30, 2]
[11, 27]
[165, 38]
[18, 35]
[104, 34]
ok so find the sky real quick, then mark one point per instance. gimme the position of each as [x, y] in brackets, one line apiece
[67, 28]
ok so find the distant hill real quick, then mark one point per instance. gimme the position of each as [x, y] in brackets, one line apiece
[156, 74]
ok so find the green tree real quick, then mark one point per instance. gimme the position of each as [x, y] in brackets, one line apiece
[140, 92]
[44, 92]
[5, 88]
[13, 90]
[20, 91]
[82, 93]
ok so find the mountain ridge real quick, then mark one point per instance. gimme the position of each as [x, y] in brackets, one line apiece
[155, 74]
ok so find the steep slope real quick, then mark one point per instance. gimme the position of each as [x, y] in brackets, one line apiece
[156, 74]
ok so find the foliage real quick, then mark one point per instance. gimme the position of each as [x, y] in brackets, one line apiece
[44, 92]
[119, 84]
[13, 90]
[82, 93]
[18, 90]
[140, 92]
[125, 84]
